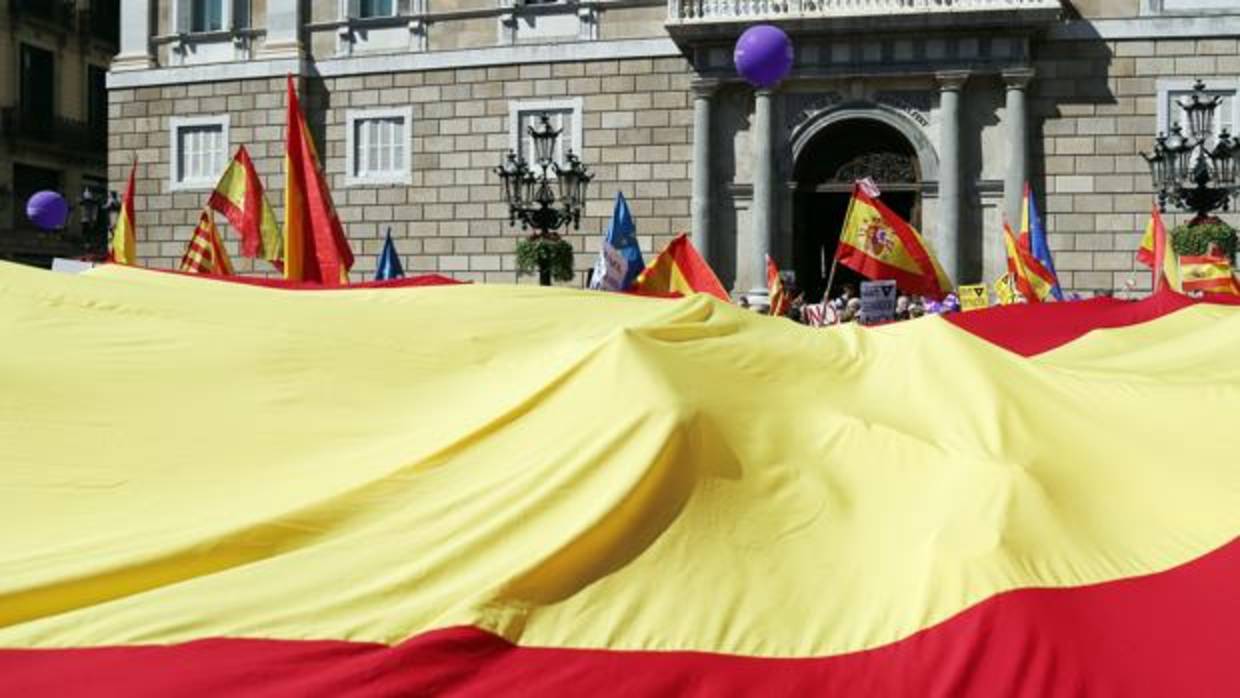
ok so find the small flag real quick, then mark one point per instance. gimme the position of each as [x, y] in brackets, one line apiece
[315, 248]
[124, 237]
[680, 269]
[1033, 239]
[1208, 274]
[780, 302]
[1166, 266]
[240, 198]
[1031, 279]
[1005, 290]
[389, 261]
[878, 244]
[620, 258]
[205, 253]
[1145, 252]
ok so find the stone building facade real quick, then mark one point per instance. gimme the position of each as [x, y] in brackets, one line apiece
[951, 107]
[53, 114]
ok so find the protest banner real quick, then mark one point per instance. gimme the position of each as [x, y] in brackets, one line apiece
[878, 301]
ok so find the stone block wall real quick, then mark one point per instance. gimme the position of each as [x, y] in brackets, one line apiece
[1095, 105]
[637, 123]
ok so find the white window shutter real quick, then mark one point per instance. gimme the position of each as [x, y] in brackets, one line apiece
[185, 16]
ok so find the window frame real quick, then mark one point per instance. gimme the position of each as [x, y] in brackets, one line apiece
[405, 174]
[183, 18]
[570, 104]
[1187, 8]
[175, 124]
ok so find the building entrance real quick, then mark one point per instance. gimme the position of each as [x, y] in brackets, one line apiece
[824, 174]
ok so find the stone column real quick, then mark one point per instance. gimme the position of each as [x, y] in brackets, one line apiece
[762, 211]
[946, 238]
[135, 37]
[703, 98]
[283, 30]
[1017, 115]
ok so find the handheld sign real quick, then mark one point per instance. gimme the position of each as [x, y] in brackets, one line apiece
[974, 297]
[878, 301]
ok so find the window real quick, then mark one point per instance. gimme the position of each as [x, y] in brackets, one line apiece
[1188, 7]
[1170, 113]
[97, 105]
[199, 151]
[375, 8]
[206, 15]
[38, 78]
[201, 16]
[378, 148]
[564, 114]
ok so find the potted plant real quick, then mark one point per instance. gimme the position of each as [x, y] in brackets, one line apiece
[1200, 235]
[548, 254]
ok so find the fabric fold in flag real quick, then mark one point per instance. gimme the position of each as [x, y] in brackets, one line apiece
[878, 244]
[680, 269]
[240, 198]
[315, 247]
[205, 253]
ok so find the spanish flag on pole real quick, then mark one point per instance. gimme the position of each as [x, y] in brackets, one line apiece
[878, 244]
[315, 248]
[239, 197]
[775, 286]
[680, 269]
[205, 253]
[1032, 280]
[124, 242]
[1166, 266]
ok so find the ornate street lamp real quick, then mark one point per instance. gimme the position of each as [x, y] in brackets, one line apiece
[545, 195]
[1185, 171]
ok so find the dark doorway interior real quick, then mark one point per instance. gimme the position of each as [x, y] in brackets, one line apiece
[825, 171]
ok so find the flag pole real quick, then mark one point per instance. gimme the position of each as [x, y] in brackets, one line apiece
[835, 258]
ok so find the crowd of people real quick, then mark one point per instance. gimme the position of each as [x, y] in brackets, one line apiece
[846, 307]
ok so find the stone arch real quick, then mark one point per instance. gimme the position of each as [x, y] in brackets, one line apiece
[927, 157]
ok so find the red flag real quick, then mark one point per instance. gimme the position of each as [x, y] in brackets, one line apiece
[679, 268]
[122, 249]
[878, 244]
[775, 286]
[315, 248]
[239, 197]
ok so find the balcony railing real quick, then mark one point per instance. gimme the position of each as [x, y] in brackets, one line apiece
[688, 11]
[59, 134]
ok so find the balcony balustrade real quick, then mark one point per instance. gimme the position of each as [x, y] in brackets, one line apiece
[695, 11]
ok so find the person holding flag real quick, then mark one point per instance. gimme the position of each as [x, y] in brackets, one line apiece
[1033, 240]
[620, 257]
[878, 244]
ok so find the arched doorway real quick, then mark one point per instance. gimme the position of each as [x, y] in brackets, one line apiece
[824, 172]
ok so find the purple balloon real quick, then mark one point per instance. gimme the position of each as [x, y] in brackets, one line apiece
[48, 210]
[763, 55]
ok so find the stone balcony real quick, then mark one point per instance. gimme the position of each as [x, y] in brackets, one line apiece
[720, 18]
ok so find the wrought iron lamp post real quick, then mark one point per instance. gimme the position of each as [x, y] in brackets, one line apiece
[544, 195]
[1186, 172]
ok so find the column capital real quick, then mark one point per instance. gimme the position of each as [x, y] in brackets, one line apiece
[704, 87]
[1018, 78]
[763, 91]
[952, 80]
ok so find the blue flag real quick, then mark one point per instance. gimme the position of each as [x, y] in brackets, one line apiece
[1031, 229]
[620, 259]
[389, 262]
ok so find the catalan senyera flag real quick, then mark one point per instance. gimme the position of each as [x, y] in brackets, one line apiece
[1208, 274]
[878, 244]
[240, 198]
[1031, 279]
[315, 247]
[205, 253]
[1033, 239]
[123, 247]
[613, 496]
[680, 269]
[780, 301]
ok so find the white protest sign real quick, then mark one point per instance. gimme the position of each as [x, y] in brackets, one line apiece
[878, 301]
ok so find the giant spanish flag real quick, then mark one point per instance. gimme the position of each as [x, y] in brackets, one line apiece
[878, 244]
[240, 198]
[482, 490]
[123, 247]
[315, 248]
